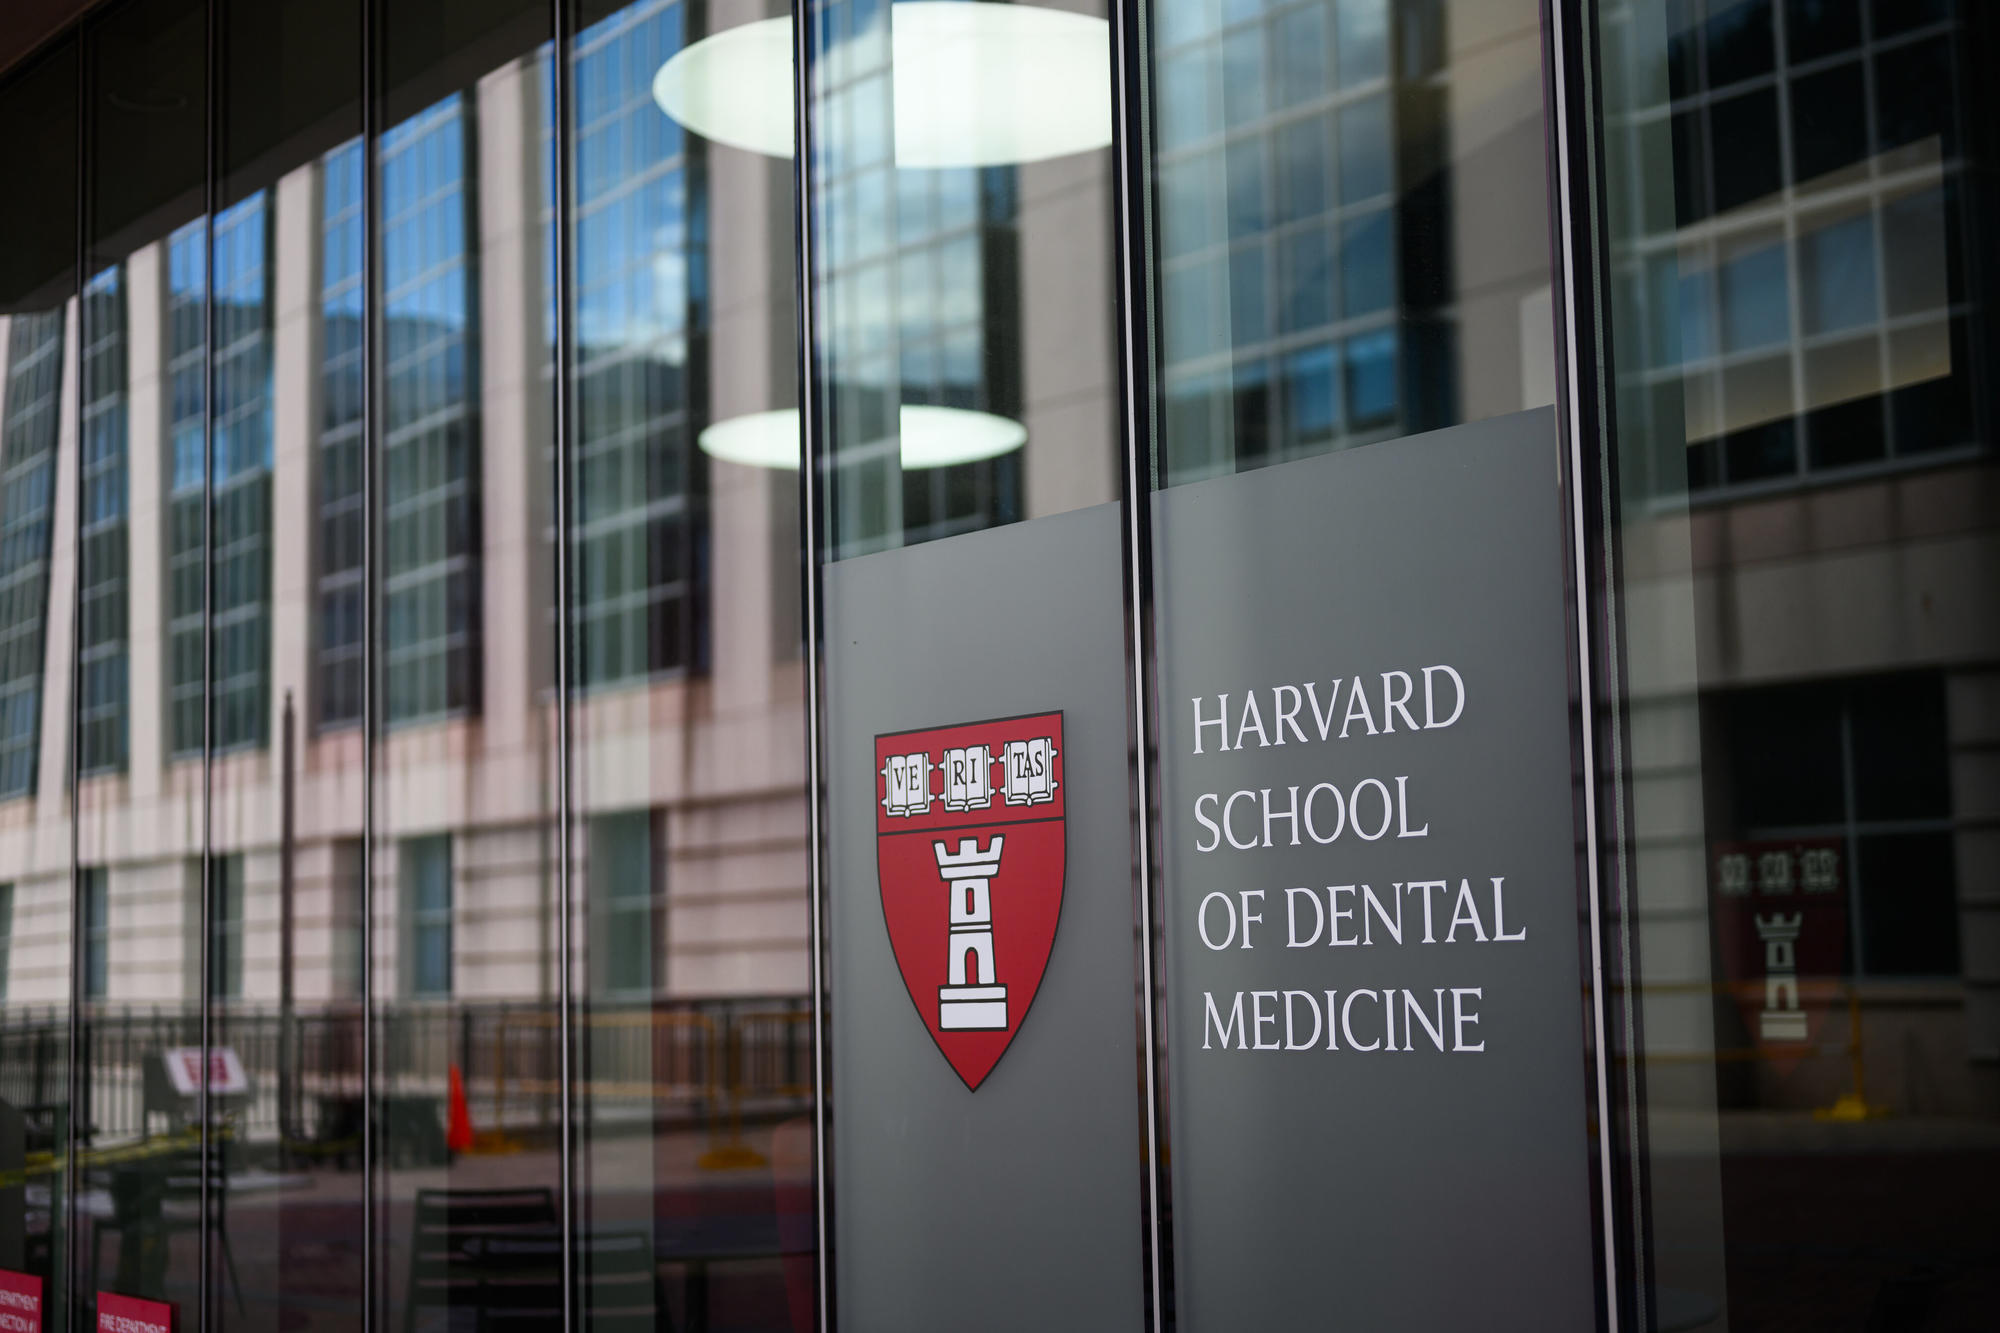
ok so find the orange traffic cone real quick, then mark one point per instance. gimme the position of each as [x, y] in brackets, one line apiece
[458, 1129]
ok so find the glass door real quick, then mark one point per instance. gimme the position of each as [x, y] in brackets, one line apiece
[1796, 471]
[1375, 962]
[964, 474]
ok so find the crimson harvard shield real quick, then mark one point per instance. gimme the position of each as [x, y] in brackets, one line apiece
[969, 848]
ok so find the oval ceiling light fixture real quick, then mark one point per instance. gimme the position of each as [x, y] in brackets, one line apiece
[986, 85]
[762, 439]
[931, 437]
[976, 84]
[734, 87]
[943, 436]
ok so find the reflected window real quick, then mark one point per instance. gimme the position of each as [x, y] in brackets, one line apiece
[919, 279]
[1363, 46]
[186, 284]
[1745, 166]
[1829, 121]
[1862, 766]
[1737, 41]
[1817, 28]
[1837, 274]
[27, 492]
[102, 613]
[242, 467]
[350, 909]
[94, 885]
[239, 468]
[430, 498]
[1756, 301]
[341, 440]
[1821, 277]
[640, 485]
[625, 889]
[1280, 308]
[427, 902]
[225, 927]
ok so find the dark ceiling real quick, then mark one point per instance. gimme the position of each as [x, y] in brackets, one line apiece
[26, 24]
[289, 91]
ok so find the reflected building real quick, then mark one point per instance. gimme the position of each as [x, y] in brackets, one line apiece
[465, 694]
[1806, 416]
[1331, 274]
[233, 663]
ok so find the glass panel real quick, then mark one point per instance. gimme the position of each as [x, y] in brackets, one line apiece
[140, 792]
[287, 1179]
[40, 393]
[465, 877]
[1362, 253]
[967, 422]
[1357, 536]
[694, 1035]
[1804, 706]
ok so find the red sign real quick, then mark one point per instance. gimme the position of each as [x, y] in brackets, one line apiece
[225, 1070]
[128, 1314]
[1781, 919]
[20, 1303]
[969, 847]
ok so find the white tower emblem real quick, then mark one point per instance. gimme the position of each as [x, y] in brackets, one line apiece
[972, 1000]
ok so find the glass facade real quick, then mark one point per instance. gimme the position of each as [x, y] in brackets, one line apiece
[900, 664]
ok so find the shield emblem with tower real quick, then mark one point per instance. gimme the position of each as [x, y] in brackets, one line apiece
[970, 854]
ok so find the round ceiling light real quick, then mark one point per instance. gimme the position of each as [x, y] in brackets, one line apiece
[984, 85]
[930, 437]
[734, 87]
[976, 84]
[762, 439]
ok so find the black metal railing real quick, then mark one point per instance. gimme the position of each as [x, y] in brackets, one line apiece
[638, 1060]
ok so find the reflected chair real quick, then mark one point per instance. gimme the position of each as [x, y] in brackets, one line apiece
[618, 1283]
[451, 1269]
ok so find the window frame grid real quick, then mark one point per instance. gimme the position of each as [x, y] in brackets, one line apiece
[8, 908]
[430, 854]
[429, 670]
[341, 437]
[29, 438]
[1211, 381]
[1705, 241]
[229, 599]
[870, 496]
[103, 533]
[650, 625]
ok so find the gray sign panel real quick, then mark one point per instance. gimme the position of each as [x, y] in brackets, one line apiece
[1017, 1205]
[1378, 1093]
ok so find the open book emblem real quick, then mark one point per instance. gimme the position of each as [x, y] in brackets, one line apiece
[969, 847]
